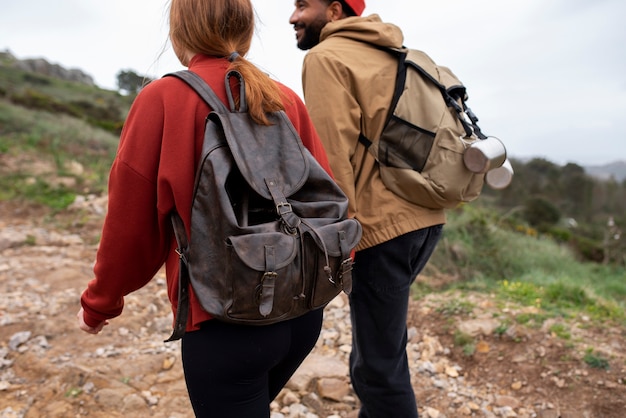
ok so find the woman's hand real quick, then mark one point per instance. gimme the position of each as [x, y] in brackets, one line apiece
[90, 330]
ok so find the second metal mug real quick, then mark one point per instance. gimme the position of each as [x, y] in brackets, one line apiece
[484, 155]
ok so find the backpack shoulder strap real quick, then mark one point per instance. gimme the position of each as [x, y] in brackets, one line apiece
[208, 95]
[401, 55]
[202, 88]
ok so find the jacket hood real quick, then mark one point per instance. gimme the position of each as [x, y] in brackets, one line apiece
[370, 29]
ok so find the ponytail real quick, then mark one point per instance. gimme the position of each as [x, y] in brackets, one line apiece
[224, 28]
[263, 95]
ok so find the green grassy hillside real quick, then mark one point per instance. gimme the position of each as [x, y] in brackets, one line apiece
[57, 138]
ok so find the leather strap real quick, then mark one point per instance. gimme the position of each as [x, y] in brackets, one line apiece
[345, 270]
[268, 282]
[182, 310]
[290, 220]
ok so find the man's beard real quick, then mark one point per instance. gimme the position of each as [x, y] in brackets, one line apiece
[311, 34]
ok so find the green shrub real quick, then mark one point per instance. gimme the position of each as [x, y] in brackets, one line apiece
[588, 249]
[596, 361]
[560, 234]
[567, 295]
[541, 213]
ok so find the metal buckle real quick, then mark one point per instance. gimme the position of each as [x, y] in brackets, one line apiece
[345, 267]
[281, 205]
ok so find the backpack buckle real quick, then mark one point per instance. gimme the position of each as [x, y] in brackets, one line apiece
[283, 208]
[290, 221]
[181, 255]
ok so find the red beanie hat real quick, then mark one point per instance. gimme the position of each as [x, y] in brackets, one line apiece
[356, 5]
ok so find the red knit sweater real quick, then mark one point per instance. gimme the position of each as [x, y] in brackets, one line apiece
[152, 175]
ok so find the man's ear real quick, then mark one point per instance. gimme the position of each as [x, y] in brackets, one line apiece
[334, 11]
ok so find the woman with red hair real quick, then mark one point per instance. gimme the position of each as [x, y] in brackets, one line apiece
[230, 370]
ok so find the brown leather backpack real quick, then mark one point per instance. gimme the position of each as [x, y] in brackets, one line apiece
[270, 237]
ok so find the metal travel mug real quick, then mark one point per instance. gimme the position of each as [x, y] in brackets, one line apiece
[500, 177]
[484, 155]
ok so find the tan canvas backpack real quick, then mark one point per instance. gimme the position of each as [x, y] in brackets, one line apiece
[428, 129]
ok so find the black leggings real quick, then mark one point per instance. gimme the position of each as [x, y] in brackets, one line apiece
[236, 371]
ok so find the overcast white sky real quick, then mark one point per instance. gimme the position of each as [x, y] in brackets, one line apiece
[548, 77]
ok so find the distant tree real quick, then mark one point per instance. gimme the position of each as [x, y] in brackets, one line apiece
[540, 213]
[542, 177]
[622, 198]
[576, 191]
[131, 82]
[571, 169]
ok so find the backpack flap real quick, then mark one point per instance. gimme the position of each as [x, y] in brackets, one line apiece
[247, 249]
[331, 238]
[334, 243]
[279, 250]
[253, 145]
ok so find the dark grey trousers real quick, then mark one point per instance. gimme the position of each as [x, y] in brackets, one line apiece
[382, 279]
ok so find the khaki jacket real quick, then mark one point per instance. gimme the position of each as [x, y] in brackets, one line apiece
[348, 84]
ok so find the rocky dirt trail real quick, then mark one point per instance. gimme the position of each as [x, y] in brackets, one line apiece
[48, 368]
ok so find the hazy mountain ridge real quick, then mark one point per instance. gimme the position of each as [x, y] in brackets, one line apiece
[42, 66]
[616, 169]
